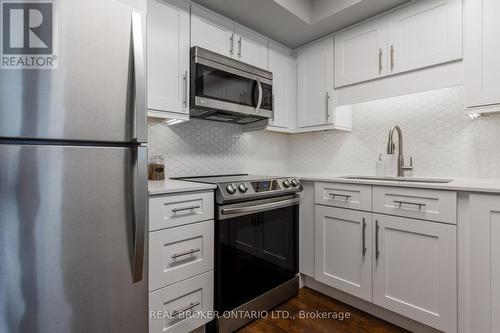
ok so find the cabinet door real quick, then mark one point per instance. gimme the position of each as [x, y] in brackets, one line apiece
[361, 53]
[284, 69]
[344, 250]
[212, 32]
[315, 84]
[484, 263]
[482, 51]
[426, 33]
[168, 55]
[415, 270]
[250, 48]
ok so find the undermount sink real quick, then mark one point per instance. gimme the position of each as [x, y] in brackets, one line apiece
[401, 179]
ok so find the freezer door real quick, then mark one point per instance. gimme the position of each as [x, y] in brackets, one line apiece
[72, 232]
[97, 92]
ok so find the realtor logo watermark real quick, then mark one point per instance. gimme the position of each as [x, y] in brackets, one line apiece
[28, 34]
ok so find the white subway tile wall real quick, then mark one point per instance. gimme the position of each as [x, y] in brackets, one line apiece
[441, 139]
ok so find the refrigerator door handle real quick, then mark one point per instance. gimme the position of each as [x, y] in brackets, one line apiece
[140, 201]
[139, 78]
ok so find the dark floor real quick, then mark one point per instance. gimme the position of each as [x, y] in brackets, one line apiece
[310, 301]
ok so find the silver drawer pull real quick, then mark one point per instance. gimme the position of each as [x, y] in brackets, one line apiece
[185, 309]
[419, 204]
[186, 253]
[345, 196]
[175, 210]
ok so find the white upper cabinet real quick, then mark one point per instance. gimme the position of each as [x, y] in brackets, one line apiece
[360, 53]
[426, 33]
[422, 34]
[215, 33]
[211, 32]
[168, 56]
[315, 84]
[250, 47]
[482, 53]
[284, 69]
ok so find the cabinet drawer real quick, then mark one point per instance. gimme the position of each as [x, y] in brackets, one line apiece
[351, 196]
[433, 205]
[179, 253]
[169, 308]
[178, 209]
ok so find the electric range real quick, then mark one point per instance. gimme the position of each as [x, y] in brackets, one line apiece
[256, 245]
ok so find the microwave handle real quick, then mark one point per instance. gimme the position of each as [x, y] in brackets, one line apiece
[259, 100]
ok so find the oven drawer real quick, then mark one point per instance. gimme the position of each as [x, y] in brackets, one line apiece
[178, 209]
[179, 253]
[194, 294]
[425, 204]
[352, 196]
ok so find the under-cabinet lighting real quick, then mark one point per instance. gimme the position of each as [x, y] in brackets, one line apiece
[174, 121]
[474, 115]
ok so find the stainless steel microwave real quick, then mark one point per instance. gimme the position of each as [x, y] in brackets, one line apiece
[227, 90]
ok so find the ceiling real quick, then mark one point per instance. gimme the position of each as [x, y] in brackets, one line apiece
[297, 22]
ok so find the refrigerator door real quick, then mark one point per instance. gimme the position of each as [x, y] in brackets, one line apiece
[72, 239]
[97, 92]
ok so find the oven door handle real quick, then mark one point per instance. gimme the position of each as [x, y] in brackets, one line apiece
[260, 207]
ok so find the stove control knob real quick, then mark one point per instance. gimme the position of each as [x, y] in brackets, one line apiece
[230, 189]
[242, 188]
[295, 182]
[286, 183]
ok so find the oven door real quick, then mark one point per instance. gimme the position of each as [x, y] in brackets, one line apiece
[257, 248]
[224, 88]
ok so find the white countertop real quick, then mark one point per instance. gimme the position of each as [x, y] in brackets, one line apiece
[169, 186]
[458, 184]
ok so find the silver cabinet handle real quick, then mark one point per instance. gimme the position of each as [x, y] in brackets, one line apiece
[327, 104]
[140, 204]
[185, 309]
[186, 253]
[345, 196]
[380, 53]
[239, 47]
[231, 48]
[392, 57]
[259, 101]
[175, 210]
[419, 204]
[377, 251]
[139, 78]
[363, 245]
[185, 78]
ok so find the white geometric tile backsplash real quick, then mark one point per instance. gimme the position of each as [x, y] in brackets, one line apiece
[441, 139]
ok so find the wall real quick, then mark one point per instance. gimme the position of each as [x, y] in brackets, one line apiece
[201, 147]
[441, 139]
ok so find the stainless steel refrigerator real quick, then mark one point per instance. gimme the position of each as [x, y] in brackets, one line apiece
[73, 178]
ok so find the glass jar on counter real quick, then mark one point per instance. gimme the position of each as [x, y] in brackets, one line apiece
[156, 168]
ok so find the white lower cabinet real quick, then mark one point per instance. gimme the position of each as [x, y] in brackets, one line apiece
[483, 267]
[344, 250]
[178, 253]
[182, 307]
[415, 270]
[405, 265]
[181, 261]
